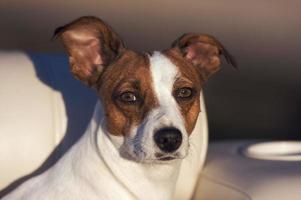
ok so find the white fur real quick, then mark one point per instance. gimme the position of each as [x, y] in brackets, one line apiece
[95, 167]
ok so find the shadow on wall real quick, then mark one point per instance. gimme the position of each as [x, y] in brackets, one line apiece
[79, 101]
[261, 101]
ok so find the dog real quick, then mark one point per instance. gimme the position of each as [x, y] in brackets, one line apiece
[145, 124]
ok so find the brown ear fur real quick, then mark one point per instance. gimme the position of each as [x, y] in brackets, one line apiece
[203, 51]
[91, 45]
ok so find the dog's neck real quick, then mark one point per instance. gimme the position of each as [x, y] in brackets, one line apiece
[103, 160]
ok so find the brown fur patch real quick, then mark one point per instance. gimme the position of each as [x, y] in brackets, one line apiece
[131, 72]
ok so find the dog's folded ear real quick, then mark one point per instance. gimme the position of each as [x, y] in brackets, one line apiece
[92, 45]
[203, 51]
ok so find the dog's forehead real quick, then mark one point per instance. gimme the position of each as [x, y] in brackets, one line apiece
[145, 68]
[170, 64]
[186, 69]
[163, 71]
[129, 66]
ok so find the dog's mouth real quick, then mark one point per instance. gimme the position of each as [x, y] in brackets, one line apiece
[162, 157]
[166, 158]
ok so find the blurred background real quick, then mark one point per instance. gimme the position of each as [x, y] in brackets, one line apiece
[261, 100]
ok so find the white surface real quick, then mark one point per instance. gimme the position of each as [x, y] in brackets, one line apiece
[32, 117]
[37, 93]
[246, 177]
[285, 150]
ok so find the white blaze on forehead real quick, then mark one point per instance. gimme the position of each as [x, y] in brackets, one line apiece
[164, 73]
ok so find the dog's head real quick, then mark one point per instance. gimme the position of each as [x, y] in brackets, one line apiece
[151, 100]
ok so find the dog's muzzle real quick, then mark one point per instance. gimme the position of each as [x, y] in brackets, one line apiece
[168, 139]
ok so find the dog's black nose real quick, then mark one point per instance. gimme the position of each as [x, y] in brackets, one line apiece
[168, 139]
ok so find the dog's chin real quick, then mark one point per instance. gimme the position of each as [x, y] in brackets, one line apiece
[163, 159]
[168, 160]
[153, 159]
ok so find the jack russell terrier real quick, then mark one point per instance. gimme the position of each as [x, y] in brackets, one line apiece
[144, 125]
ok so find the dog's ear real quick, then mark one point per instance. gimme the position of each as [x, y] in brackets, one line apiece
[203, 51]
[92, 45]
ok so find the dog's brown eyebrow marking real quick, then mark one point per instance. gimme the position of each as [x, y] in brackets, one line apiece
[128, 83]
[183, 81]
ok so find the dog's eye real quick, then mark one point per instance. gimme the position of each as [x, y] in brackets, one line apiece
[184, 93]
[128, 97]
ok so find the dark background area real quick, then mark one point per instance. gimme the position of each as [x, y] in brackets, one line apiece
[261, 100]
